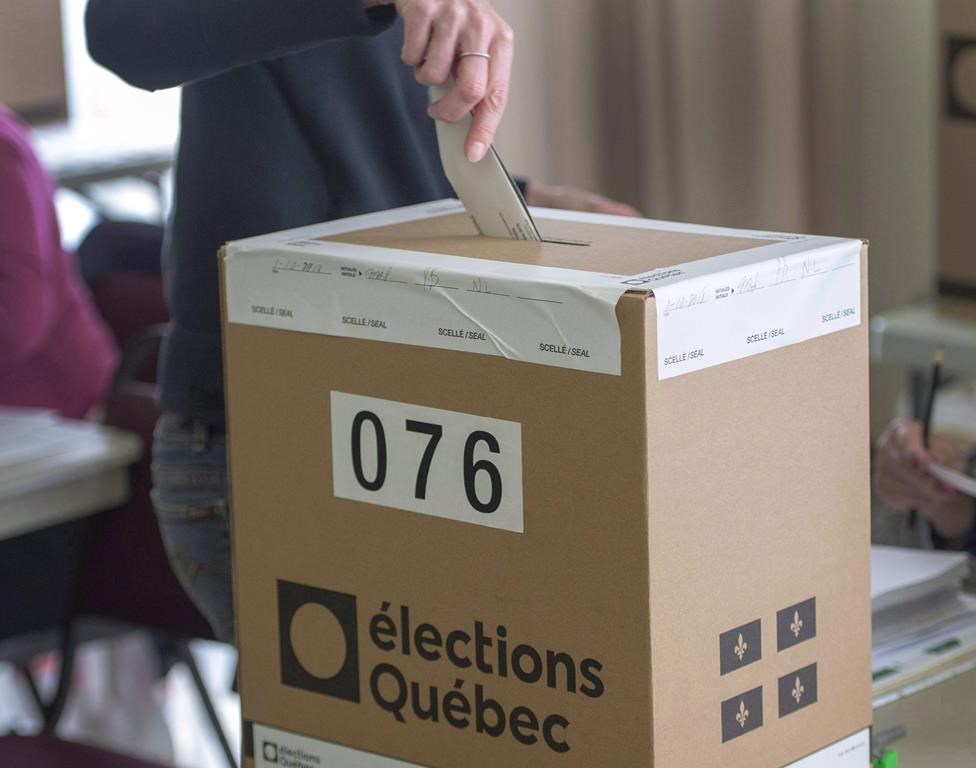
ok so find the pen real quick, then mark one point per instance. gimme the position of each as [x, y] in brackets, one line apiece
[936, 375]
[934, 379]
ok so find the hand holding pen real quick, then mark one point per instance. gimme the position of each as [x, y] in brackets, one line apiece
[903, 482]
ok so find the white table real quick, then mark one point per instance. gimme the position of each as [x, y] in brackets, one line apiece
[78, 157]
[941, 724]
[53, 470]
[909, 335]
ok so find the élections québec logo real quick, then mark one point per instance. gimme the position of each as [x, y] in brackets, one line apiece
[474, 649]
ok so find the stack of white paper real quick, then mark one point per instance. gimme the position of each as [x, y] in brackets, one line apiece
[25, 434]
[924, 625]
[900, 575]
[39, 449]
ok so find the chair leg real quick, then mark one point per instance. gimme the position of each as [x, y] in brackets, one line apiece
[69, 646]
[69, 637]
[185, 655]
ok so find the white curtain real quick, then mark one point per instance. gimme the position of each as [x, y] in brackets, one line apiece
[739, 112]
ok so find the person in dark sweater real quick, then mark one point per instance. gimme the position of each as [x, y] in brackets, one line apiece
[293, 112]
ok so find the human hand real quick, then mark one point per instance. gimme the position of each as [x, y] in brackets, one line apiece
[903, 482]
[546, 196]
[436, 35]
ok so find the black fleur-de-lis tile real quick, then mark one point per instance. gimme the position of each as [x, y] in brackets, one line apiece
[740, 647]
[796, 624]
[797, 690]
[742, 714]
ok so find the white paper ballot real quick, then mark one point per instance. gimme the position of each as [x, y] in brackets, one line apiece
[487, 190]
[954, 478]
[900, 575]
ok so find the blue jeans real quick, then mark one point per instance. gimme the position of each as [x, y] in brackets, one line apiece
[189, 471]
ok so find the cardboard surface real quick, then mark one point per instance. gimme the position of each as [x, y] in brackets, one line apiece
[617, 250]
[658, 516]
[552, 305]
[760, 503]
[956, 261]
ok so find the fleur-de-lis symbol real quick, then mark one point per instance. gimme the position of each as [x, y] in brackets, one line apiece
[797, 690]
[740, 647]
[797, 624]
[742, 715]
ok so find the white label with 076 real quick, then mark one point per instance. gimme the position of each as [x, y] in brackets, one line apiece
[428, 460]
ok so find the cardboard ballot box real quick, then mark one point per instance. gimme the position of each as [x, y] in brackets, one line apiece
[956, 262]
[600, 501]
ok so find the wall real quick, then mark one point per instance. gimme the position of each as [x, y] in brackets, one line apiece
[827, 109]
[897, 159]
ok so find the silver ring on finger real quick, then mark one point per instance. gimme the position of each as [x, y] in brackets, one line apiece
[479, 54]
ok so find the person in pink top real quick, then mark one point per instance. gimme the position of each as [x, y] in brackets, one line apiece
[55, 352]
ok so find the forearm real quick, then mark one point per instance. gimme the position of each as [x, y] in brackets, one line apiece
[162, 43]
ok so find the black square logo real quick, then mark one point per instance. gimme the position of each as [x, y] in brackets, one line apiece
[319, 641]
[796, 624]
[797, 690]
[740, 647]
[960, 76]
[742, 714]
[270, 751]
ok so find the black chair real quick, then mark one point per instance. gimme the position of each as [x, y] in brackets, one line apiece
[108, 573]
[47, 751]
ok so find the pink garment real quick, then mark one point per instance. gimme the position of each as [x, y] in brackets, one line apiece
[55, 352]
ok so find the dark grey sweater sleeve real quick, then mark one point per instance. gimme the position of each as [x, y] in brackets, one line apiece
[162, 43]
